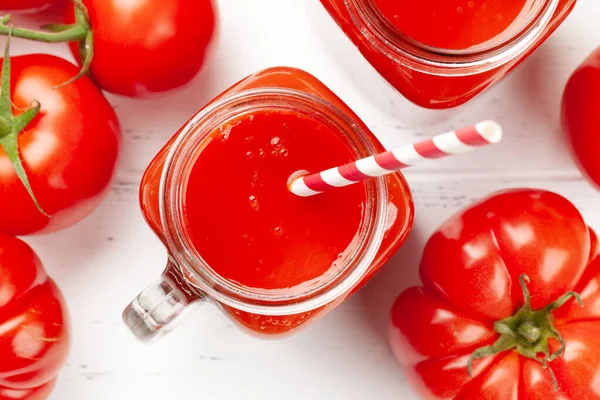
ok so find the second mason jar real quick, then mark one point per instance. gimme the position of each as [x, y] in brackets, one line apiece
[440, 53]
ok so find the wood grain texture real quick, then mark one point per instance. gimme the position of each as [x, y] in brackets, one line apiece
[102, 263]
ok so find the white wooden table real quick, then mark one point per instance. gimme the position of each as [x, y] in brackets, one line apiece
[102, 263]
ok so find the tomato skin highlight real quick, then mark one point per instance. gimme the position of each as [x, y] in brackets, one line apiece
[581, 117]
[69, 151]
[470, 271]
[34, 324]
[147, 46]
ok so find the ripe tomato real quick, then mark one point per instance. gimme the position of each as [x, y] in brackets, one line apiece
[147, 46]
[25, 5]
[580, 115]
[68, 151]
[475, 303]
[34, 326]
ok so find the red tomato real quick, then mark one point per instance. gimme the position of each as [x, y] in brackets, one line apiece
[25, 5]
[68, 151]
[34, 326]
[472, 298]
[581, 117]
[147, 46]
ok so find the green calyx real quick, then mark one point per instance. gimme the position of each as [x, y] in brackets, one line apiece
[80, 31]
[11, 126]
[527, 332]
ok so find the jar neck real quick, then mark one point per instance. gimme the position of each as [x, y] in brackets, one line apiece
[386, 39]
[188, 147]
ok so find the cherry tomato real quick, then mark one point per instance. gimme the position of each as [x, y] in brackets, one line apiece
[497, 291]
[581, 117]
[147, 46]
[34, 326]
[25, 5]
[68, 151]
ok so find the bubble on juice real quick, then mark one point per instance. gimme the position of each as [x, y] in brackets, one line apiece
[261, 261]
[245, 236]
[256, 316]
[262, 153]
[459, 9]
[249, 155]
[284, 152]
[276, 142]
[499, 18]
[396, 16]
[285, 125]
[470, 4]
[262, 327]
[248, 139]
[274, 153]
[253, 202]
[224, 132]
[278, 231]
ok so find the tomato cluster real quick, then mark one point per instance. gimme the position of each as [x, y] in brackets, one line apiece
[59, 144]
[67, 117]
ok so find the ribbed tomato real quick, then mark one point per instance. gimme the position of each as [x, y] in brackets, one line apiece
[498, 282]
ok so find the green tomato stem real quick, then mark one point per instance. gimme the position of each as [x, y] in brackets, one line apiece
[527, 332]
[5, 127]
[11, 126]
[74, 33]
[80, 31]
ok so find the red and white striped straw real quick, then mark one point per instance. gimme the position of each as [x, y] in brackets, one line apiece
[455, 142]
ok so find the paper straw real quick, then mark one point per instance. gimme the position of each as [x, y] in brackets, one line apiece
[447, 144]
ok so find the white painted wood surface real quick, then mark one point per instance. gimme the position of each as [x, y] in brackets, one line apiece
[102, 263]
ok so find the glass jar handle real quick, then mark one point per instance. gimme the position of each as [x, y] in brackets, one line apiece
[154, 310]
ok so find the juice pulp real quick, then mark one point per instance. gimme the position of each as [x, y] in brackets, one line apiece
[243, 220]
[455, 24]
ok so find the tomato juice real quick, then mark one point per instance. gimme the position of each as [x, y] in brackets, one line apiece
[250, 228]
[457, 24]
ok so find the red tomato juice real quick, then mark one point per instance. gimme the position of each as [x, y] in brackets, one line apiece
[249, 227]
[455, 25]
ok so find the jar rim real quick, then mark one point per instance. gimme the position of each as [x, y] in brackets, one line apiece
[442, 61]
[199, 272]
